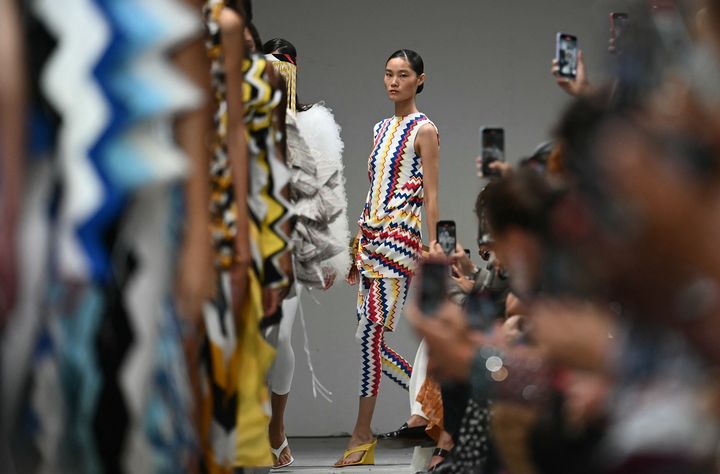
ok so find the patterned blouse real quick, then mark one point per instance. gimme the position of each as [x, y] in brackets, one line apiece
[270, 212]
[391, 241]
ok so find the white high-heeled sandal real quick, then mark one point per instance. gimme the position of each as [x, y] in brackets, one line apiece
[277, 452]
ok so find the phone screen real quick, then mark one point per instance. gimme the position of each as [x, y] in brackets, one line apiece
[433, 287]
[670, 26]
[482, 312]
[567, 52]
[447, 236]
[493, 148]
[618, 24]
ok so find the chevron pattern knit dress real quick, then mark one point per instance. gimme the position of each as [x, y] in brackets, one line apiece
[389, 247]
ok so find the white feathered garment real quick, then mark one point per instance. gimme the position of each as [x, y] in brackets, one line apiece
[317, 189]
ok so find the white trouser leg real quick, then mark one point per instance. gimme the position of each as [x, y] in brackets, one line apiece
[283, 368]
[418, 379]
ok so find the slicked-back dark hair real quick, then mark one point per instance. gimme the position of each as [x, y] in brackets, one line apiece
[282, 46]
[247, 6]
[413, 59]
[237, 7]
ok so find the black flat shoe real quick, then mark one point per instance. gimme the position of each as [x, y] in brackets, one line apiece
[407, 437]
[437, 452]
[441, 453]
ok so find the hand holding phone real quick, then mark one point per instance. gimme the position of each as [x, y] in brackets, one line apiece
[433, 287]
[568, 66]
[618, 24]
[447, 236]
[482, 311]
[566, 55]
[492, 145]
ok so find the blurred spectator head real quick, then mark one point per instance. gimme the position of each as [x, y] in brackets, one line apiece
[517, 212]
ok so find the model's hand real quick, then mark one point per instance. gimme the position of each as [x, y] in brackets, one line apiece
[575, 87]
[328, 279]
[9, 274]
[195, 279]
[352, 276]
[272, 297]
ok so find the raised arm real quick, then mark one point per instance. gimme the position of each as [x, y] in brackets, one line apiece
[193, 129]
[427, 145]
[232, 27]
[578, 86]
[12, 123]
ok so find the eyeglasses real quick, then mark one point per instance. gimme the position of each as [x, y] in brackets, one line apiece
[484, 243]
[484, 254]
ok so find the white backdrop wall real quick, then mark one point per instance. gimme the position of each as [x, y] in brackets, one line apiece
[487, 63]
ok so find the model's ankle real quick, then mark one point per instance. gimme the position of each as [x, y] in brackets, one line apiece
[277, 434]
[417, 420]
[363, 436]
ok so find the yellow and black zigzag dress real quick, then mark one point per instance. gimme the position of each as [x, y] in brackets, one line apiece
[236, 358]
[220, 353]
[270, 211]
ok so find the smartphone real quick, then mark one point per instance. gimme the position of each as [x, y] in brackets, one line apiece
[671, 28]
[567, 55]
[447, 236]
[482, 311]
[492, 145]
[618, 24]
[433, 286]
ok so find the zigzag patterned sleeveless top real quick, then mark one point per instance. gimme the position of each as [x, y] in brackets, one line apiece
[391, 240]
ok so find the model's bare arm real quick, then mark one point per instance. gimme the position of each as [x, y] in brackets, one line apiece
[428, 146]
[12, 141]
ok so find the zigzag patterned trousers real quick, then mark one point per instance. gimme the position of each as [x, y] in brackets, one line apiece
[380, 302]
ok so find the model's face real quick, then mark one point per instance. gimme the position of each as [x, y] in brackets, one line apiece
[249, 41]
[401, 82]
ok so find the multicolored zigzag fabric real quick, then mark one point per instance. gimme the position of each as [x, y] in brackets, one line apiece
[391, 240]
[269, 175]
[236, 357]
[223, 209]
[378, 300]
[109, 330]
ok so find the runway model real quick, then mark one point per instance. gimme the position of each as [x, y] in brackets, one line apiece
[317, 191]
[403, 169]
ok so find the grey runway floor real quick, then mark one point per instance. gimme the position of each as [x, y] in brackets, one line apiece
[317, 455]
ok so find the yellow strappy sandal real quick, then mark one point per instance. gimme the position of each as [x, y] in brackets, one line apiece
[368, 458]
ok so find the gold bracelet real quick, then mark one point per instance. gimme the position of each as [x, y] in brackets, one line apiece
[354, 247]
